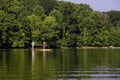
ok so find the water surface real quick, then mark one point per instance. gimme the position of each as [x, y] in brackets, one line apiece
[60, 64]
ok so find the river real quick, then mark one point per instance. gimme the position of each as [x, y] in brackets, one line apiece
[60, 64]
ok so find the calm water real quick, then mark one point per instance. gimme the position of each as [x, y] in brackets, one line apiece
[60, 64]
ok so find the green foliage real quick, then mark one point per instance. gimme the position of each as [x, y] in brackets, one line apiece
[48, 5]
[34, 23]
[114, 17]
[49, 30]
[58, 16]
[115, 37]
[58, 23]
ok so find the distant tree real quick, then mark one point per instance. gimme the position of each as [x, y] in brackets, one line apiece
[3, 28]
[48, 5]
[34, 27]
[59, 17]
[49, 31]
[114, 17]
[59, 23]
[115, 36]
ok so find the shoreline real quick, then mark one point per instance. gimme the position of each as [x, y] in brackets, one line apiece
[88, 47]
[82, 47]
[110, 47]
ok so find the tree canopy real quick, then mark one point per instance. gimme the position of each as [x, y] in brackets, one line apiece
[58, 23]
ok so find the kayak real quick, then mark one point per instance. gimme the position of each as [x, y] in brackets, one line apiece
[37, 49]
[45, 49]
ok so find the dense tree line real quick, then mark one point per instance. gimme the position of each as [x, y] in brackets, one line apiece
[56, 22]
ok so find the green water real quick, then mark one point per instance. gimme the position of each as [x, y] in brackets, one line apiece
[60, 64]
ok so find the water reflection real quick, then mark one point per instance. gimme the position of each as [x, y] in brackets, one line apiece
[60, 64]
[39, 67]
[90, 65]
[44, 55]
[33, 59]
[44, 58]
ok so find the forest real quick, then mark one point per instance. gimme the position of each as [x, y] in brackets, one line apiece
[59, 23]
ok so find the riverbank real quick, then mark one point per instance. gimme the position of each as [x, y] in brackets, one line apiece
[88, 47]
[110, 47]
[82, 47]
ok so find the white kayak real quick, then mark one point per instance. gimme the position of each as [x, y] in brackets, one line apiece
[45, 49]
[39, 49]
